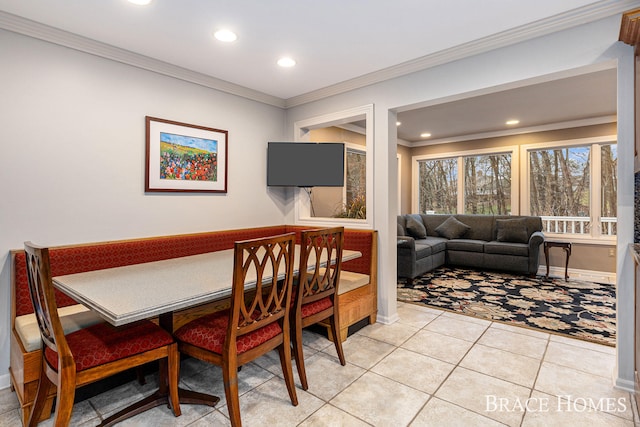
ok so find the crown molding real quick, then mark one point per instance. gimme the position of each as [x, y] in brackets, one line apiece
[46, 33]
[563, 21]
[599, 10]
[520, 131]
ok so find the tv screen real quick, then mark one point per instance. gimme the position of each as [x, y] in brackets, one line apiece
[305, 164]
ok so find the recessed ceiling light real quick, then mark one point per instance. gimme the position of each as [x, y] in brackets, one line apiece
[225, 36]
[140, 2]
[286, 62]
[398, 123]
[425, 135]
[512, 122]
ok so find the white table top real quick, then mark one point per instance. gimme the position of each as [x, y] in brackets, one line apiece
[126, 294]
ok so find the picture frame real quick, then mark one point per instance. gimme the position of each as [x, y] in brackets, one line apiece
[182, 157]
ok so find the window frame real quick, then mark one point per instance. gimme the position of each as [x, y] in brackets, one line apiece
[595, 143]
[360, 149]
[302, 208]
[459, 156]
[520, 191]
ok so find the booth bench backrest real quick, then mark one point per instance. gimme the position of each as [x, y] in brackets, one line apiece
[97, 256]
[25, 363]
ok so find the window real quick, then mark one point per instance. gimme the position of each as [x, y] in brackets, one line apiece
[487, 184]
[356, 177]
[438, 185]
[485, 187]
[559, 186]
[573, 187]
[317, 207]
[609, 186]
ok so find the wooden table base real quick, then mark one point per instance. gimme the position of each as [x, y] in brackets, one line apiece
[156, 399]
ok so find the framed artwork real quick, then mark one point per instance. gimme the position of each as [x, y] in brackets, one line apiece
[184, 157]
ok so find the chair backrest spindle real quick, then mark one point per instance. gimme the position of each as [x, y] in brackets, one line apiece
[253, 261]
[43, 299]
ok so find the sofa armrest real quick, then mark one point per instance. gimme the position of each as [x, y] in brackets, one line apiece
[406, 242]
[535, 240]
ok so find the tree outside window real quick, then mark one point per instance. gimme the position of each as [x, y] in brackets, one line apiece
[356, 179]
[438, 181]
[609, 188]
[487, 184]
[574, 189]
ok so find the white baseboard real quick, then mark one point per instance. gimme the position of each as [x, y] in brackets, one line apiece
[625, 385]
[574, 273]
[387, 320]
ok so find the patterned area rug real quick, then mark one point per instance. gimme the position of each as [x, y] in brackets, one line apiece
[582, 310]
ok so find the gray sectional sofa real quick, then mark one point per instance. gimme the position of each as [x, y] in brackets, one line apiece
[508, 243]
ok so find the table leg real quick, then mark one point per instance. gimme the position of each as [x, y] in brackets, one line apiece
[566, 263]
[161, 396]
[546, 258]
[186, 396]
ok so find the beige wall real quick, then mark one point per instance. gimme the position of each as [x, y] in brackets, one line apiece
[405, 179]
[583, 257]
[335, 134]
[327, 201]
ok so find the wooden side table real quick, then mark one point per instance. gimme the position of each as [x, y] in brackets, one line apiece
[566, 246]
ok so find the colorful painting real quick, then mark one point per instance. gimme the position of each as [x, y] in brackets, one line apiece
[186, 157]
[183, 157]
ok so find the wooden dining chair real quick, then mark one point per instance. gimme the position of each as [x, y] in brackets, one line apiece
[316, 292]
[93, 353]
[257, 321]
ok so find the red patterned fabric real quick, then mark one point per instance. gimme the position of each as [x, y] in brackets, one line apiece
[315, 307]
[354, 240]
[209, 332]
[103, 343]
[358, 240]
[98, 256]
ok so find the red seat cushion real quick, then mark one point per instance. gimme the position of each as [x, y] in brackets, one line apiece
[209, 332]
[315, 307]
[104, 343]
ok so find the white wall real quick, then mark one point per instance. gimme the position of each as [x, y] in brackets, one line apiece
[73, 152]
[591, 46]
[72, 160]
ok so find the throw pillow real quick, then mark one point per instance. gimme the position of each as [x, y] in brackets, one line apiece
[452, 228]
[415, 227]
[512, 230]
[400, 231]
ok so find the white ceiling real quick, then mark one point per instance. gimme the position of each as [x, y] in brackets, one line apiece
[336, 43]
[578, 100]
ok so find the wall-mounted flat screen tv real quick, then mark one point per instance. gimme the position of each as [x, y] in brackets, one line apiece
[305, 164]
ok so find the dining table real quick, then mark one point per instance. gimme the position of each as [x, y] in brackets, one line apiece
[126, 294]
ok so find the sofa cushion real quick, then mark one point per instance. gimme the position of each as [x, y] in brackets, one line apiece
[400, 230]
[481, 227]
[506, 248]
[423, 249]
[512, 230]
[438, 244]
[466, 245]
[452, 228]
[415, 227]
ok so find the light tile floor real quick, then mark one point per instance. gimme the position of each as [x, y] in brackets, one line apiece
[431, 368]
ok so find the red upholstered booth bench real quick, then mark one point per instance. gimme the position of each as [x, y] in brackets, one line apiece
[358, 300]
